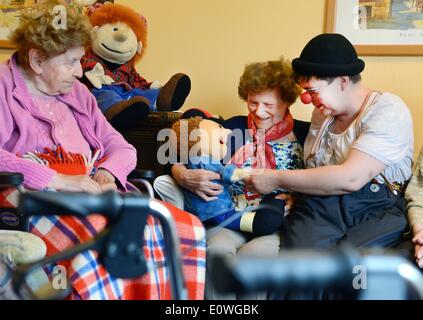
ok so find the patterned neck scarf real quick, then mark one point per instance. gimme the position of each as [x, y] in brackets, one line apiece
[259, 148]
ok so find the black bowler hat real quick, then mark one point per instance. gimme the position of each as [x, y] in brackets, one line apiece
[328, 55]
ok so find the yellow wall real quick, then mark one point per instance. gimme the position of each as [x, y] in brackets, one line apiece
[212, 40]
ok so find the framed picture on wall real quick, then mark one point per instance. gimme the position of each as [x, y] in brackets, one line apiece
[379, 27]
[9, 18]
[10, 10]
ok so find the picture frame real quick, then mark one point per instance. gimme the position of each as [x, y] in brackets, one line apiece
[379, 27]
[9, 15]
[9, 18]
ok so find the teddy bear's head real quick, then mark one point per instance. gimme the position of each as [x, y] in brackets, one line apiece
[119, 34]
[205, 138]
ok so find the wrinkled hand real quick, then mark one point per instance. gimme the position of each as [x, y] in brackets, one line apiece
[81, 183]
[289, 202]
[262, 181]
[418, 244]
[199, 182]
[105, 179]
[98, 77]
[108, 186]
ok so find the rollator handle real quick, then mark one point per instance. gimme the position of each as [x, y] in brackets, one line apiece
[70, 203]
[10, 179]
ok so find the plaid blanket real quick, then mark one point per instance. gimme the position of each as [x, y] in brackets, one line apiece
[89, 278]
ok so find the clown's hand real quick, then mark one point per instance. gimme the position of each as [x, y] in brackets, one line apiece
[98, 77]
[155, 84]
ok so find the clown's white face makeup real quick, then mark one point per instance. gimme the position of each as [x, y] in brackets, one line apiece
[115, 42]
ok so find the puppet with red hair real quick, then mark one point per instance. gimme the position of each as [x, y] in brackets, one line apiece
[119, 39]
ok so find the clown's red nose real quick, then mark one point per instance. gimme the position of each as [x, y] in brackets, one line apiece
[306, 98]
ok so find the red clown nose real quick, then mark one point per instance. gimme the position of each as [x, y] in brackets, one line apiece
[306, 98]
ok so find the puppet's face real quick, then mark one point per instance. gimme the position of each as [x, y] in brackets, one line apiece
[115, 42]
[213, 139]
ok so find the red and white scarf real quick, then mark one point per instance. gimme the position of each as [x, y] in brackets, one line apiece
[260, 149]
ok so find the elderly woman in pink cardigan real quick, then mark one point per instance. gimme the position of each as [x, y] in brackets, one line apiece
[45, 110]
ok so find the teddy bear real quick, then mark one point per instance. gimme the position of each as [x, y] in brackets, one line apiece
[206, 152]
[118, 42]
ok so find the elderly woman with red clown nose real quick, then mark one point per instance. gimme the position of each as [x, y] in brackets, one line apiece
[358, 154]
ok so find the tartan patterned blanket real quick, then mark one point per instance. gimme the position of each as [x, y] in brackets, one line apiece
[90, 279]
